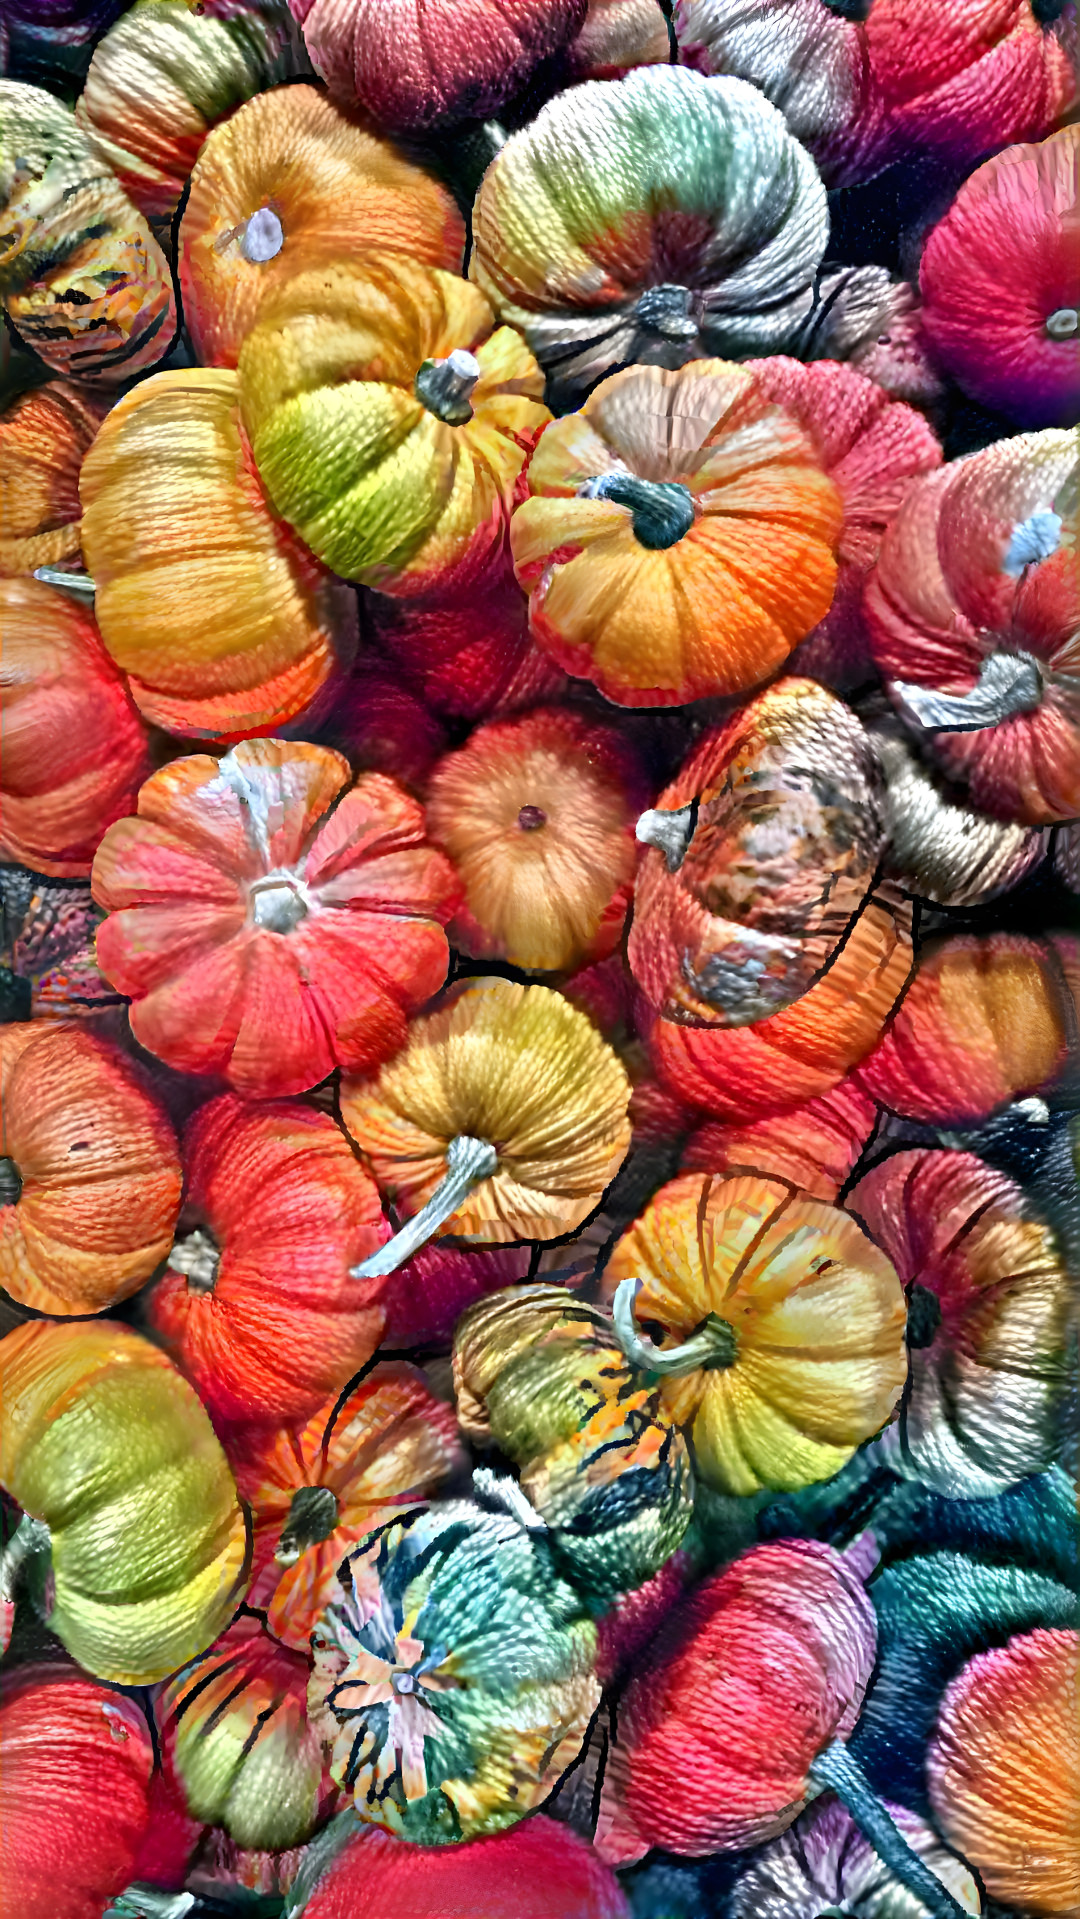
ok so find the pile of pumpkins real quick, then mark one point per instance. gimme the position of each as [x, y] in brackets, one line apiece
[539, 843]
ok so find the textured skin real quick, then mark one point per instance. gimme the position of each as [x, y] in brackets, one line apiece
[469, 653]
[823, 1861]
[815, 1145]
[538, 1870]
[618, 35]
[44, 435]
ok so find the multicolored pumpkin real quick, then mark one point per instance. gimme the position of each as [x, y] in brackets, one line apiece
[814, 1146]
[788, 1325]
[389, 422]
[651, 221]
[284, 185]
[679, 536]
[973, 610]
[541, 1375]
[75, 751]
[988, 1311]
[824, 1864]
[412, 64]
[43, 437]
[89, 1171]
[269, 921]
[224, 622]
[150, 1552]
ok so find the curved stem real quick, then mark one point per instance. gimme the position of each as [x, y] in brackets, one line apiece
[31, 1540]
[836, 1769]
[671, 832]
[79, 585]
[1008, 683]
[713, 1346]
[468, 1161]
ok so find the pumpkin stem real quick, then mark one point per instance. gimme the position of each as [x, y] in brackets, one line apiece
[923, 1316]
[149, 1902]
[836, 1769]
[855, 10]
[713, 1346]
[666, 310]
[1008, 683]
[662, 511]
[262, 237]
[445, 387]
[31, 1540]
[10, 1182]
[468, 1161]
[197, 1256]
[313, 1514]
[671, 832]
[79, 585]
[1062, 324]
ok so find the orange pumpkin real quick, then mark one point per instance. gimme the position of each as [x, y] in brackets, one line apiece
[74, 749]
[43, 437]
[226, 624]
[680, 535]
[89, 1171]
[285, 184]
[815, 1146]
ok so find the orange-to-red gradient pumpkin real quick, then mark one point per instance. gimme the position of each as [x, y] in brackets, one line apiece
[44, 435]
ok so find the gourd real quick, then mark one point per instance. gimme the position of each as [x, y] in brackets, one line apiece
[618, 35]
[824, 1864]
[939, 850]
[43, 436]
[469, 652]
[47, 955]
[814, 1146]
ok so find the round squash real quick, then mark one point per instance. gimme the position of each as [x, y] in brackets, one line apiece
[47, 951]
[286, 184]
[655, 220]
[89, 1171]
[679, 537]
[618, 35]
[269, 920]
[75, 751]
[388, 421]
[814, 1146]
[469, 652]
[102, 1440]
[44, 435]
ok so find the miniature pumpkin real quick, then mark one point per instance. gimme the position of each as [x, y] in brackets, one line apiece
[469, 652]
[424, 1299]
[679, 537]
[380, 723]
[89, 1171]
[286, 183]
[760, 858]
[166, 73]
[973, 609]
[74, 749]
[999, 278]
[941, 851]
[225, 624]
[537, 814]
[541, 1376]
[269, 921]
[792, 1319]
[73, 1792]
[987, 1329]
[618, 35]
[316, 1490]
[814, 1146]
[1002, 1769]
[258, 1306]
[417, 63]
[503, 1118]
[824, 1864]
[983, 1021]
[47, 950]
[453, 1681]
[429, 413]
[43, 437]
[150, 1554]
[655, 221]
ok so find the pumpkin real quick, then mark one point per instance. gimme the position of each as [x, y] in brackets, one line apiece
[286, 183]
[943, 852]
[235, 1723]
[315, 1489]
[823, 1864]
[469, 652]
[89, 1169]
[424, 1299]
[47, 954]
[430, 415]
[761, 858]
[503, 1117]
[73, 1792]
[982, 1021]
[168, 72]
[537, 815]
[1002, 1769]
[653, 220]
[43, 437]
[972, 612]
[814, 1146]
[679, 536]
[74, 749]
[999, 277]
[541, 1376]
[225, 624]
[381, 725]
[82, 278]
[412, 65]
[269, 921]
[788, 1325]
[988, 1308]
[102, 1440]
[257, 1306]
[617, 35]
[453, 1682]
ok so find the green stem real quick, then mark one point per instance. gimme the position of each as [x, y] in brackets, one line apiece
[662, 511]
[313, 1514]
[446, 387]
[31, 1540]
[468, 1162]
[711, 1347]
[836, 1769]
[147, 1902]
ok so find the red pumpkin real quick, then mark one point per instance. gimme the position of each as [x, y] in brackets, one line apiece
[74, 748]
[259, 1306]
[815, 1146]
[470, 652]
[1000, 281]
[382, 725]
[425, 1297]
[268, 921]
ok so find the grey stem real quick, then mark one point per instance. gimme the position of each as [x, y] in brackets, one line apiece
[666, 310]
[1063, 324]
[836, 1769]
[253, 801]
[446, 387]
[30, 1540]
[713, 1346]
[313, 1514]
[1009, 683]
[79, 585]
[468, 1161]
[147, 1902]
[197, 1257]
[262, 237]
[671, 832]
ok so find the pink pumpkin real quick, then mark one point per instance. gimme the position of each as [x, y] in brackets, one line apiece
[537, 1870]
